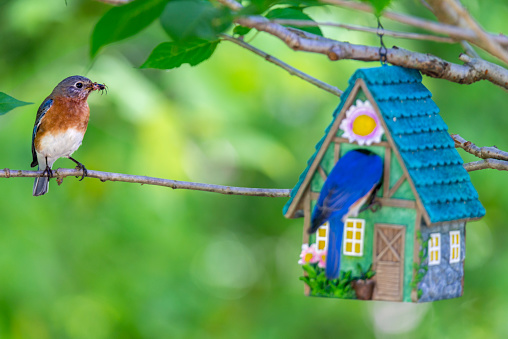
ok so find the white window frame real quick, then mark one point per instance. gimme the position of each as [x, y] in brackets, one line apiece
[319, 238]
[354, 241]
[454, 246]
[435, 249]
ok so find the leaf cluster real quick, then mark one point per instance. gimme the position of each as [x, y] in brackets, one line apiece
[193, 27]
[320, 286]
[420, 268]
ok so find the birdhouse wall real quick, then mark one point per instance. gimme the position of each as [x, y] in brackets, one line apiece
[399, 216]
[444, 278]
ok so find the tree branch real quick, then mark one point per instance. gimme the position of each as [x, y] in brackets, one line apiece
[174, 184]
[291, 70]
[428, 64]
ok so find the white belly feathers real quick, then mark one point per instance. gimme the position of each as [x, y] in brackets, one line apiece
[58, 146]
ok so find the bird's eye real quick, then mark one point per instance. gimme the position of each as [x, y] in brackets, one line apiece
[79, 85]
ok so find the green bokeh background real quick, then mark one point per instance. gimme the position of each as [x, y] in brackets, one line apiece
[117, 260]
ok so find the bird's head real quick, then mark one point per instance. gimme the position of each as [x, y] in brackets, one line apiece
[77, 87]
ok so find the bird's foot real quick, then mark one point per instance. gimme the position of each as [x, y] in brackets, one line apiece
[81, 167]
[48, 172]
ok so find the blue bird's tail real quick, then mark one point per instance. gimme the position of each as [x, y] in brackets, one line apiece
[41, 186]
[334, 248]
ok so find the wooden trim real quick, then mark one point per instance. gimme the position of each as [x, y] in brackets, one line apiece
[419, 203]
[336, 151]
[306, 224]
[401, 234]
[397, 203]
[386, 171]
[341, 140]
[320, 153]
[322, 172]
[396, 186]
[314, 195]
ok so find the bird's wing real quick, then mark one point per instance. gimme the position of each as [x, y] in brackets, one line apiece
[351, 179]
[43, 108]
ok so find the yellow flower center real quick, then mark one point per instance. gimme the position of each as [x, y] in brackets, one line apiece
[363, 125]
[308, 257]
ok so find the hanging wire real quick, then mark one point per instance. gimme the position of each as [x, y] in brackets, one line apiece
[382, 49]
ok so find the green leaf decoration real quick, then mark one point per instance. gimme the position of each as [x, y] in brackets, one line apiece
[125, 21]
[8, 103]
[379, 5]
[170, 55]
[295, 14]
[188, 20]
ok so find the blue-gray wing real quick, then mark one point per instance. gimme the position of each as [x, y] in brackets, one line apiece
[43, 108]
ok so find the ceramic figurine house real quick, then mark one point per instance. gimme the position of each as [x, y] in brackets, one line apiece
[411, 246]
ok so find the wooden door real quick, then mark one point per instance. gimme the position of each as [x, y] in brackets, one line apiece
[388, 261]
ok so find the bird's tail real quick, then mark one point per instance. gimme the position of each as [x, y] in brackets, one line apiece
[334, 248]
[41, 186]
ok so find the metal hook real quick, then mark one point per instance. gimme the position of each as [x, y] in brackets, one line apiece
[382, 49]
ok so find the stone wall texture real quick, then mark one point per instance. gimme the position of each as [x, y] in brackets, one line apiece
[443, 281]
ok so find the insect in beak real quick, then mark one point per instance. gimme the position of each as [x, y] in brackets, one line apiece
[99, 87]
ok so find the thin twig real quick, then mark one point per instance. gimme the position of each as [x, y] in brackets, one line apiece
[395, 34]
[232, 4]
[291, 70]
[440, 28]
[480, 152]
[144, 180]
[500, 165]
[452, 12]
[115, 2]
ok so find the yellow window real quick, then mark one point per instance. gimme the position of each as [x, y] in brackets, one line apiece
[354, 233]
[321, 245]
[322, 237]
[454, 247]
[434, 249]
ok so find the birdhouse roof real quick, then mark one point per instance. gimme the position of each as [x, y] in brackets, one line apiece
[422, 140]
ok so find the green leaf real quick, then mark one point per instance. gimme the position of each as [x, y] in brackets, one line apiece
[170, 55]
[188, 20]
[295, 14]
[379, 5]
[311, 271]
[8, 103]
[241, 30]
[125, 21]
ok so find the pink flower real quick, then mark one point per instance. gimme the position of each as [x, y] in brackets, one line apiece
[308, 255]
[322, 258]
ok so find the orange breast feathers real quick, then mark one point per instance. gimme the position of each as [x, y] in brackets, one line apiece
[64, 114]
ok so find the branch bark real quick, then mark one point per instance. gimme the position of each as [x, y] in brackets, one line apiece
[61, 173]
[335, 50]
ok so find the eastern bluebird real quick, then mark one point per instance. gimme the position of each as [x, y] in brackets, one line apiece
[352, 182]
[60, 125]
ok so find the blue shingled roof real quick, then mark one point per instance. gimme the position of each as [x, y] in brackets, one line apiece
[422, 139]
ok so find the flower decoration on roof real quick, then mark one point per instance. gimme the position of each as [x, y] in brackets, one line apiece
[362, 124]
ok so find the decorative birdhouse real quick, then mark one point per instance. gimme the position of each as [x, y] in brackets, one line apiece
[385, 198]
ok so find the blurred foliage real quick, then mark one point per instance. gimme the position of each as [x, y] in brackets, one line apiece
[117, 260]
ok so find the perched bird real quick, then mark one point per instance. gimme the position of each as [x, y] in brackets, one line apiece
[60, 125]
[352, 182]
